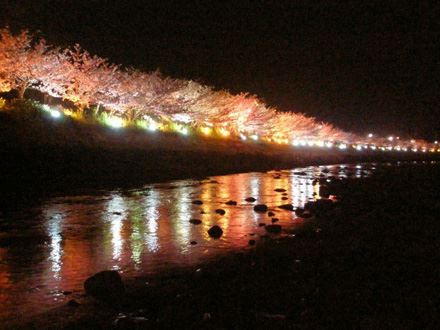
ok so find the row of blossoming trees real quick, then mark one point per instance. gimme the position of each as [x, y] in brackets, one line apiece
[87, 80]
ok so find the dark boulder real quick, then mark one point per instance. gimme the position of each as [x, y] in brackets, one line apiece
[250, 199]
[273, 229]
[280, 190]
[260, 208]
[195, 221]
[220, 211]
[320, 206]
[288, 207]
[324, 191]
[197, 202]
[251, 242]
[284, 198]
[215, 231]
[73, 303]
[275, 220]
[270, 214]
[106, 285]
[231, 202]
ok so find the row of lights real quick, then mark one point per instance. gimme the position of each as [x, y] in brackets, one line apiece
[151, 125]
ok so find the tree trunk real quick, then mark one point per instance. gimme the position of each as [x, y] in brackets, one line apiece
[97, 109]
[21, 90]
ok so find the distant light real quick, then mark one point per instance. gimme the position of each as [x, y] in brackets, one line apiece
[115, 122]
[436, 142]
[390, 138]
[243, 137]
[254, 137]
[414, 149]
[397, 148]
[413, 141]
[373, 147]
[184, 131]
[310, 143]
[303, 143]
[359, 148]
[295, 143]
[329, 144]
[320, 143]
[342, 146]
[370, 135]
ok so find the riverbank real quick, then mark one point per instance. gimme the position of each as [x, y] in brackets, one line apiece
[44, 155]
[369, 263]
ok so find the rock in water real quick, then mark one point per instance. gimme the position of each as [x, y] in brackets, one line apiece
[195, 221]
[273, 229]
[250, 199]
[288, 207]
[231, 202]
[270, 214]
[215, 231]
[106, 285]
[197, 202]
[220, 211]
[280, 190]
[260, 208]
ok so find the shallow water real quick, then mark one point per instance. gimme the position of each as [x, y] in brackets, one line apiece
[53, 246]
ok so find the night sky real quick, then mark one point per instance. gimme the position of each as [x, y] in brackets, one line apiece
[364, 66]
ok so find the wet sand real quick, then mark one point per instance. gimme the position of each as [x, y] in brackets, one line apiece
[372, 262]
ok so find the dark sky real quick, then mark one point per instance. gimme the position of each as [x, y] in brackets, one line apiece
[362, 65]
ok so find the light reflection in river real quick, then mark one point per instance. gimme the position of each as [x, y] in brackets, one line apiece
[141, 231]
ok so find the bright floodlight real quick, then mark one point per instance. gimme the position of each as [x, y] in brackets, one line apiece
[184, 131]
[153, 126]
[224, 132]
[243, 137]
[254, 137]
[390, 138]
[342, 146]
[370, 135]
[55, 113]
[206, 130]
[115, 122]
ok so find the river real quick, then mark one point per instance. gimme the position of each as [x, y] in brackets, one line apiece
[50, 248]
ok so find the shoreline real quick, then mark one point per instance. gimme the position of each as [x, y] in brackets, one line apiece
[364, 264]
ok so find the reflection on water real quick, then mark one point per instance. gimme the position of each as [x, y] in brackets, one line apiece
[52, 248]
